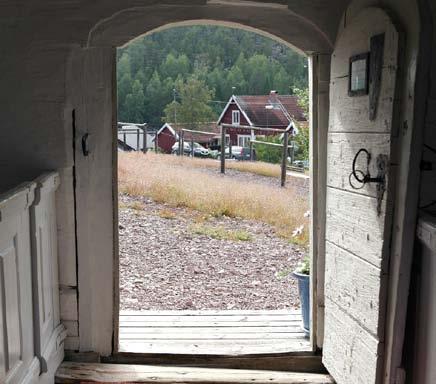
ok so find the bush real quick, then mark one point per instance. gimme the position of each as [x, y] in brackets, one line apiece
[268, 153]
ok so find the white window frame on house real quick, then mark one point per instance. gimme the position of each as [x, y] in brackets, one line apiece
[245, 139]
[236, 117]
[227, 140]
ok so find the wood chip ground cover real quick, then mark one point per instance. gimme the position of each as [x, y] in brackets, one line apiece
[170, 259]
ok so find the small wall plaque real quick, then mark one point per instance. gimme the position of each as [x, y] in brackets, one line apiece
[359, 75]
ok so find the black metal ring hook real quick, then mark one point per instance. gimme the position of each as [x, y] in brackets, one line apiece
[354, 172]
[363, 177]
[350, 178]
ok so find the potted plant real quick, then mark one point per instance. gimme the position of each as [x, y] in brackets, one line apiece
[302, 274]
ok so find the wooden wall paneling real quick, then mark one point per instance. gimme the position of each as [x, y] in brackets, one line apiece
[355, 357]
[16, 327]
[347, 113]
[342, 149]
[353, 224]
[357, 235]
[354, 284]
[319, 80]
[47, 327]
[94, 192]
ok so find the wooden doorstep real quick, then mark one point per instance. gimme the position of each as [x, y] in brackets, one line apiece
[76, 373]
[288, 362]
[218, 347]
[211, 332]
[197, 323]
[212, 312]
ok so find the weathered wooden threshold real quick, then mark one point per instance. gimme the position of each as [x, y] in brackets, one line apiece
[76, 373]
[287, 362]
[231, 339]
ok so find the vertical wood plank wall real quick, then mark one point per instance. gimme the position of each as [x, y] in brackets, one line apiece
[319, 83]
[94, 191]
[357, 238]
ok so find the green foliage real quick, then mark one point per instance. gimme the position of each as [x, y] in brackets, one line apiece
[227, 61]
[268, 153]
[304, 266]
[302, 143]
[193, 107]
[303, 99]
[302, 138]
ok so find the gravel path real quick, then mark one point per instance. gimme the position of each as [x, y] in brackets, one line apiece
[166, 265]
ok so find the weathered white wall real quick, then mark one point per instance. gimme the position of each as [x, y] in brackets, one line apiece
[408, 141]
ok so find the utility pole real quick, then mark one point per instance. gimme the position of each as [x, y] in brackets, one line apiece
[284, 157]
[268, 107]
[182, 142]
[144, 139]
[175, 107]
[223, 149]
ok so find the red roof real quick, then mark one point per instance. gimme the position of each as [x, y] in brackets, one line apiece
[211, 127]
[281, 108]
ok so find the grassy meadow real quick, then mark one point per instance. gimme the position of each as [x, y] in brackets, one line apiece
[179, 182]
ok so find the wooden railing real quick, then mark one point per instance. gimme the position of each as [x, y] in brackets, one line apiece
[29, 291]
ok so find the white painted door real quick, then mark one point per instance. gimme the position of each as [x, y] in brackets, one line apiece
[357, 227]
[16, 322]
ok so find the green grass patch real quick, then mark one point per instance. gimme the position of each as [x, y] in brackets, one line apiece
[221, 233]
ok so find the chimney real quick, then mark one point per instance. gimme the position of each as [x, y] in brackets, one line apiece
[273, 97]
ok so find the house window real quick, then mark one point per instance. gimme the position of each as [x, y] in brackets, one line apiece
[236, 117]
[244, 140]
[227, 140]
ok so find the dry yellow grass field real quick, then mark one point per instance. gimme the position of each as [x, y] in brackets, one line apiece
[259, 167]
[178, 182]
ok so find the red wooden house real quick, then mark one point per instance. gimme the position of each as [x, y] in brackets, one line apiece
[168, 134]
[264, 111]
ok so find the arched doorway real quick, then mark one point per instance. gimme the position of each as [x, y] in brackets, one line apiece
[98, 58]
[99, 54]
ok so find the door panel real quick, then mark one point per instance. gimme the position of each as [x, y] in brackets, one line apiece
[357, 226]
[45, 269]
[16, 321]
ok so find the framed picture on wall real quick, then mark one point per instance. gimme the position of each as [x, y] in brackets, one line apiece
[359, 75]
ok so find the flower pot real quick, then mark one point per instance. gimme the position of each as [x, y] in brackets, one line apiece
[304, 292]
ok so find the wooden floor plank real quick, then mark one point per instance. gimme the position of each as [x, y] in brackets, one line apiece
[212, 324]
[288, 362]
[211, 336]
[212, 332]
[75, 373]
[209, 312]
[208, 330]
[207, 319]
[216, 347]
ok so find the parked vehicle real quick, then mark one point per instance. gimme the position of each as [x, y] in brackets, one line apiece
[199, 150]
[238, 153]
[301, 163]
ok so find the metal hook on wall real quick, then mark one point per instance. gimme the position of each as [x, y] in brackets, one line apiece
[364, 177]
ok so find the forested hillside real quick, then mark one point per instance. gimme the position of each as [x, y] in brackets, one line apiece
[154, 72]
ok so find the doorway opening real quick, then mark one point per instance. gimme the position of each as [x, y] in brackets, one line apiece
[210, 235]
